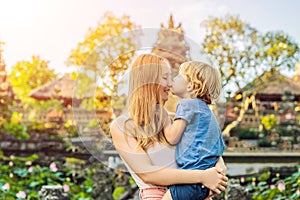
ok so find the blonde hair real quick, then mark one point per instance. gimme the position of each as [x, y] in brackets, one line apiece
[205, 80]
[145, 103]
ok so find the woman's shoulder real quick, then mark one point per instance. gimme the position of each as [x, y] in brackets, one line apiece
[119, 122]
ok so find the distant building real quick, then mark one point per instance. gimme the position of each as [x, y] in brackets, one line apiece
[273, 94]
[6, 92]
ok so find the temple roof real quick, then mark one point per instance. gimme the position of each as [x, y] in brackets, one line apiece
[272, 86]
[61, 87]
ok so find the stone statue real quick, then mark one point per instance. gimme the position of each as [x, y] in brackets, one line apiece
[102, 186]
[51, 192]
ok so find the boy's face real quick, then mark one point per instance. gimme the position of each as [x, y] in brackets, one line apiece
[180, 85]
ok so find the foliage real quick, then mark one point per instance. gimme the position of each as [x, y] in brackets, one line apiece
[92, 123]
[264, 143]
[71, 128]
[247, 133]
[279, 51]
[287, 188]
[242, 53]
[35, 125]
[118, 192]
[15, 127]
[28, 75]
[104, 55]
[232, 45]
[38, 110]
[22, 174]
[269, 121]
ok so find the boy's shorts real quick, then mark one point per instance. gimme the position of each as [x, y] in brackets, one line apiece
[188, 192]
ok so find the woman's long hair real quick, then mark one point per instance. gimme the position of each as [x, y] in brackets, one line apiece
[145, 103]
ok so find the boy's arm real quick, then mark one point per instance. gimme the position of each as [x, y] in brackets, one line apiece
[173, 132]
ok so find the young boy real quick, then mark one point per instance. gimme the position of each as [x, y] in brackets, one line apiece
[195, 129]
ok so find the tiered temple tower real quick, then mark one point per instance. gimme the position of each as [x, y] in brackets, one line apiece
[170, 44]
[6, 93]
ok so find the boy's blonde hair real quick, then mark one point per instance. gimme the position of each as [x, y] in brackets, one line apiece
[205, 80]
[145, 103]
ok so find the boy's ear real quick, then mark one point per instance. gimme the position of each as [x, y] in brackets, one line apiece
[189, 87]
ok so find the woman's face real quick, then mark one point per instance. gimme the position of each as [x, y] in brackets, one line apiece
[166, 82]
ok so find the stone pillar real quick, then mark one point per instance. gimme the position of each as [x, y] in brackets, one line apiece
[102, 186]
[235, 191]
[51, 192]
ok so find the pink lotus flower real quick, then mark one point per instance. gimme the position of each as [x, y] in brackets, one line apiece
[11, 163]
[281, 186]
[272, 187]
[6, 186]
[21, 194]
[242, 179]
[66, 188]
[298, 192]
[28, 163]
[30, 169]
[53, 167]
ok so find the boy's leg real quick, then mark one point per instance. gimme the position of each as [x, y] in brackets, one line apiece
[188, 192]
[167, 196]
[209, 195]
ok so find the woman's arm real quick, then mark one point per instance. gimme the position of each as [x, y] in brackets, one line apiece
[140, 163]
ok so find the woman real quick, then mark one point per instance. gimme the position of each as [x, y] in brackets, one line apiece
[138, 134]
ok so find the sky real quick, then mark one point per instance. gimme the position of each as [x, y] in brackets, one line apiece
[52, 28]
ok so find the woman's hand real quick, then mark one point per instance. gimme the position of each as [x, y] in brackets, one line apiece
[214, 179]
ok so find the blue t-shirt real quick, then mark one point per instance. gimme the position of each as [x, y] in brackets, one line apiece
[201, 143]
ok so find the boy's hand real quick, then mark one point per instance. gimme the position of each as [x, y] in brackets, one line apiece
[220, 165]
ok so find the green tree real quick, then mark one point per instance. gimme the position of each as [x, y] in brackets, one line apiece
[232, 45]
[103, 55]
[28, 75]
[243, 54]
[278, 51]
